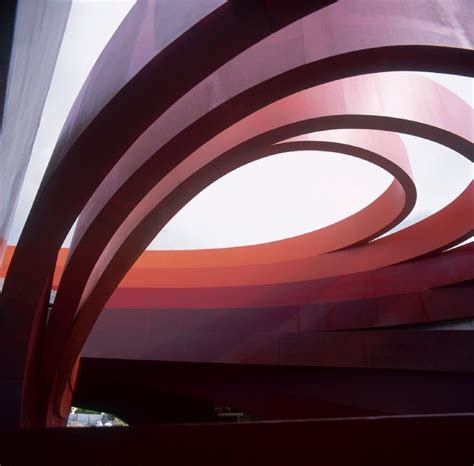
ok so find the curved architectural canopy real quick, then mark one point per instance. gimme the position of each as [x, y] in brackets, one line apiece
[187, 93]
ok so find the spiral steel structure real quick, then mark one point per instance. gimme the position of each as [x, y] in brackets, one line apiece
[177, 101]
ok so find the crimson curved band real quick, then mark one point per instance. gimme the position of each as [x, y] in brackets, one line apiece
[139, 143]
[464, 230]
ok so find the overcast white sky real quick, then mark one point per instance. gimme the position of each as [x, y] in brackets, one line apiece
[302, 191]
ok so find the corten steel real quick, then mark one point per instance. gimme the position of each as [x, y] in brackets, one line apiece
[427, 223]
[456, 267]
[393, 205]
[234, 26]
[225, 257]
[323, 334]
[162, 131]
[151, 198]
[403, 245]
[449, 225]
[254, 334]
[390, 207]
[428, 276]
[154, 196]
[228, 325]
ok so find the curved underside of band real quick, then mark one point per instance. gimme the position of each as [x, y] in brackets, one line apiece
[391, 249]
[139, 144]
[141, 211]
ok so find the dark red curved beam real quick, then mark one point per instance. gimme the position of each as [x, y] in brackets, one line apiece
[106, 223]
[83, 323]
[34, 290]
[48, 358]
[380, 122]
[140, 102]
[91, 130]
[393, 205]
[95, 303]
[440, 139]
[110, 216]
[280, 339]
[357, 228]
[136, 329]
[300, 44]
[452, 224]
[413, 276]
[439, 270]
[389, 209]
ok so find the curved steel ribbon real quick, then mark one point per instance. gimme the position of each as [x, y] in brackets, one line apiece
[158, 136]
